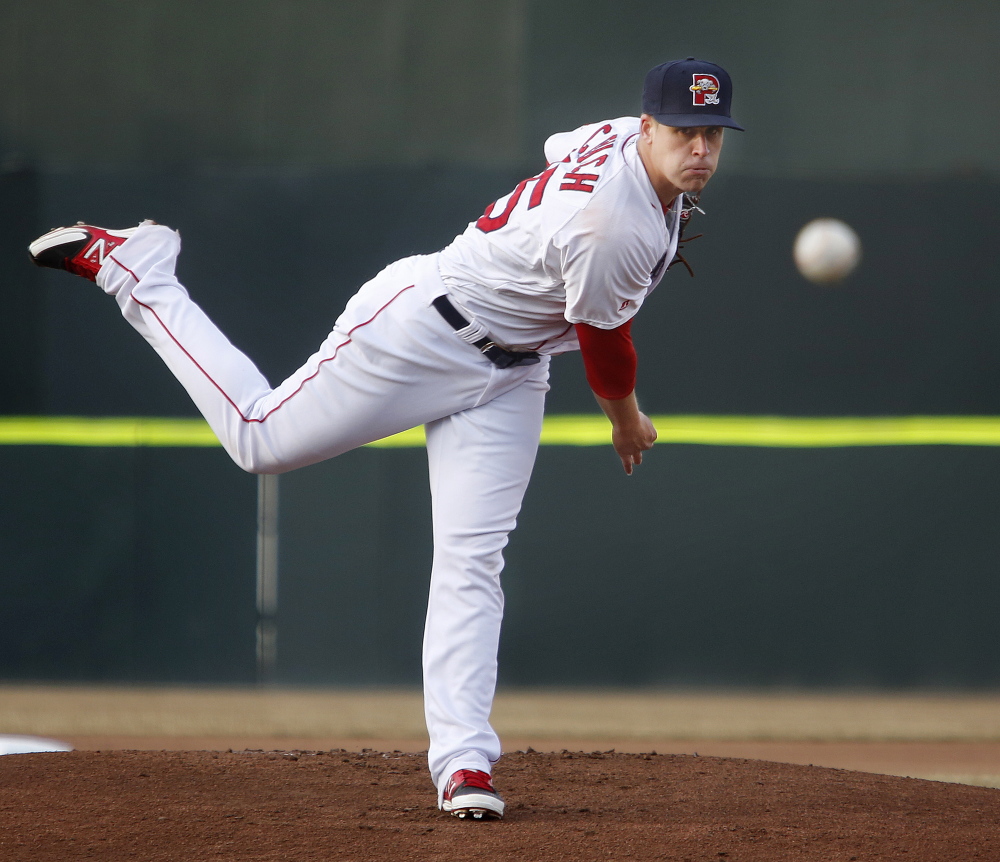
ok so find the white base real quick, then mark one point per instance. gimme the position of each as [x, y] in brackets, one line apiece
[30, 745]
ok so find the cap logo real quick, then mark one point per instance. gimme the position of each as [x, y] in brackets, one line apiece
[705, 89]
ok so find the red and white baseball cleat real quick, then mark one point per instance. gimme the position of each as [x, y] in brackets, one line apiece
[81, 249]
[470, 795]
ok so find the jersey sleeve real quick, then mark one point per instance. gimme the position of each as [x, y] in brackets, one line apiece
[561, 144]
[609, 359]
[606, 268]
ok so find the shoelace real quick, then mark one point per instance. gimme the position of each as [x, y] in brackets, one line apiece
[471, 778]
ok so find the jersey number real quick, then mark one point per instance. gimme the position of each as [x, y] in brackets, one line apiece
[488, 223]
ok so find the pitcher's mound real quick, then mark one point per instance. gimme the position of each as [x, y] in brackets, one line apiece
[189, 806]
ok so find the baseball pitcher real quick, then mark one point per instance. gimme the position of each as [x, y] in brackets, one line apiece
[459, 341]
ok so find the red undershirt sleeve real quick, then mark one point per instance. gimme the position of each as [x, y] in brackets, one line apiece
[608, 358]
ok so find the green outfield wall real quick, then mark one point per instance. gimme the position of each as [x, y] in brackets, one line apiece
[300, 145]
[714, 565]
[710, 566]
[126, 563]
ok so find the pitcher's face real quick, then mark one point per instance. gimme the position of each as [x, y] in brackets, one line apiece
[679, 158]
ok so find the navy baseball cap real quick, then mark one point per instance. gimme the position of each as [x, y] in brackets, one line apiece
[689, 93]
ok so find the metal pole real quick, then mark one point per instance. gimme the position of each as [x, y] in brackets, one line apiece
[267, 577]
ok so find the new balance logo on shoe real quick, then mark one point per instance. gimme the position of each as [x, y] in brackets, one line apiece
[96, 252]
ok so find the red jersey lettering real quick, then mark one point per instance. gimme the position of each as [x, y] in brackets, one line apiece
[591, 157]
[603, 130]
[539, 189]
[574, 182]
[588, 154]
[596, 163]
[488, 223]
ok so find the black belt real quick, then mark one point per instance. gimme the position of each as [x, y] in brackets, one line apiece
[499, 356]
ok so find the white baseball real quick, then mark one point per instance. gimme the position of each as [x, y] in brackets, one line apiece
[826, 250]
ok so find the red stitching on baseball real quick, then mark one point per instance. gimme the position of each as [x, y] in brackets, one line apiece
[211, 380]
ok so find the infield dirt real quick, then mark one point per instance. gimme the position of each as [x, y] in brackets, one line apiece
[135, 800]
[338, 805]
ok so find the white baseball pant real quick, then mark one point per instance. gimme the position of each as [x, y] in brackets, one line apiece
[391, 363]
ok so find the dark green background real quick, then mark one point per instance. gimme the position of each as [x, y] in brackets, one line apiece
[725, 566]
[301, 145]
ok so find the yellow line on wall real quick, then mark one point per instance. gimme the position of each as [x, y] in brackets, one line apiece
[104, 431]
[559, 430]
[785, 431]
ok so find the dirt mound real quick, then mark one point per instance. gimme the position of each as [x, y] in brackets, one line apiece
[333, 805]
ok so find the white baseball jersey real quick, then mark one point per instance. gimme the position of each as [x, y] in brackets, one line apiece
[584, 241]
